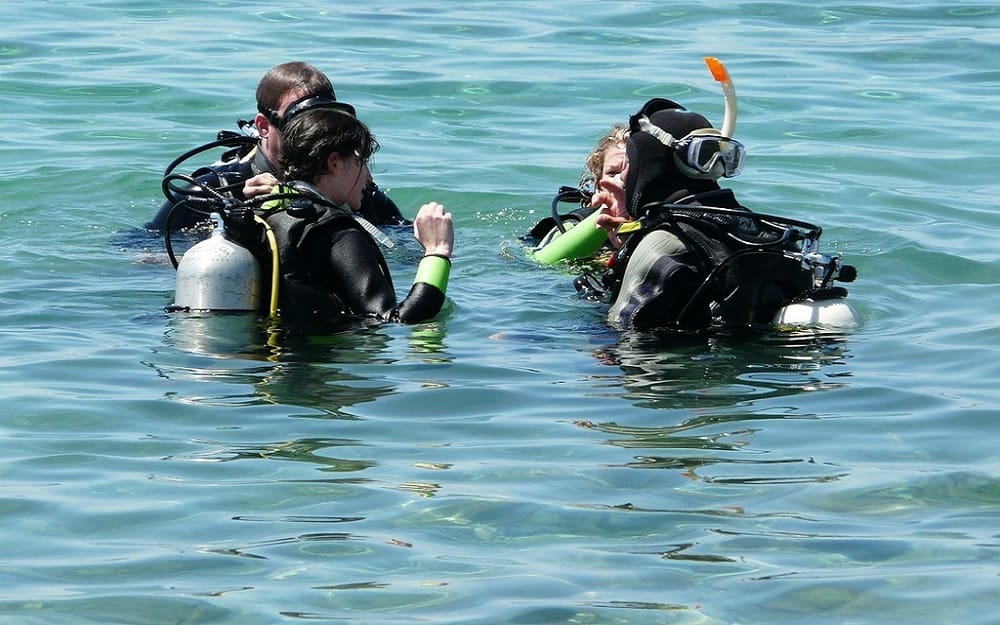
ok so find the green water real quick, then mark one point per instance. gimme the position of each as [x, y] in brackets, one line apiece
[516, 461]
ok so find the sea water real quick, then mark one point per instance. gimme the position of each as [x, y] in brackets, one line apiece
[515, 460]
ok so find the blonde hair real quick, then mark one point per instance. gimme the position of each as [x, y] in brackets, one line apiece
[595, 160]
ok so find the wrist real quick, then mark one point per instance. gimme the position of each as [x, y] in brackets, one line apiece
[434, 269]
[438, 250]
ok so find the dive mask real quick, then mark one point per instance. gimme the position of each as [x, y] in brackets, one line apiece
[703, 150]
[307, 103]
[702, 153]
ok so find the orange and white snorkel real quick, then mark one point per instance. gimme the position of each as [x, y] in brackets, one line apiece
[721, 74]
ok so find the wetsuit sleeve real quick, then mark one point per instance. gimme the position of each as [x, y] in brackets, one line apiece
[426, 296]
[581, 241]
[659, 280]
[355, 270]
[357, 273]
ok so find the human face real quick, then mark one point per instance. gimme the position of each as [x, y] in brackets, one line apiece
[611, 185]
[345, 180]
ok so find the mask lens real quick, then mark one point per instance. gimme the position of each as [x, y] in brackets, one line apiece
[704, 152]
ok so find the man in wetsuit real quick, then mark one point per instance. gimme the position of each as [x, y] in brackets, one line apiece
[251, 173]
[330, 266]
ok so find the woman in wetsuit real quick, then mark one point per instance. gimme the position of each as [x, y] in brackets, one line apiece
[330, 266]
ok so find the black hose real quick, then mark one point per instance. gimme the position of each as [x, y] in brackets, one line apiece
[565, 194]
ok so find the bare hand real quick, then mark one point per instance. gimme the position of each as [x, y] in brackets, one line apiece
[261, 184]
[613, 213]
[433, 228]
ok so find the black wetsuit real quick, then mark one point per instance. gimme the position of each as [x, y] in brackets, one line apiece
[331, 268]
[376, 206]
[662, 283]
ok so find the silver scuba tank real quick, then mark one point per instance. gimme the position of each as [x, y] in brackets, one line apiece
[218, 275]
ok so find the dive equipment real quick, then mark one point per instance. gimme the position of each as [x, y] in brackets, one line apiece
[700, 151]
[218, 275]
[316, 195]
[307, 103]
[703, 149]
[695, 259]
[240, 146]
[581, 241]
[566, 194]
[721, 75]
[832, 313]
[750, 251]
[434, 270]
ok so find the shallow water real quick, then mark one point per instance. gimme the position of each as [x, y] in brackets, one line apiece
[515, 461]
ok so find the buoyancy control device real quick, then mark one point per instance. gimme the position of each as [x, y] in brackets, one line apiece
[739, 269]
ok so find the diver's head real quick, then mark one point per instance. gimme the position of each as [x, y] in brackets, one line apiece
[594, 167]
[286, 91]
[295, 77]
[329, 148]
[671, 149]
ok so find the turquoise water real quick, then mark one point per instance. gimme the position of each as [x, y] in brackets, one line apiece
[515, 461]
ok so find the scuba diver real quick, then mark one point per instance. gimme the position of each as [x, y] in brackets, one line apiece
[688, 256]
[606, 159]
[322, 255]
[247, 167]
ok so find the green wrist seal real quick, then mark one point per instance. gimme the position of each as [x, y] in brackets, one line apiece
[581, 241]
[434, 270]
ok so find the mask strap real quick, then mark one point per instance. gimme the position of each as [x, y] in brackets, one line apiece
[661, 135]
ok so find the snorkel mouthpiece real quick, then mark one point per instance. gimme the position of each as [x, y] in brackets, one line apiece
[721, 75]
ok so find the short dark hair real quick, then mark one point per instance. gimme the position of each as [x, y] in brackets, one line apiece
[313, 135]
[281, 79]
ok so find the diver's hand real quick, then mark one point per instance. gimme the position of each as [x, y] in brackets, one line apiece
[433, 228]
[613, 213]
[261, 184]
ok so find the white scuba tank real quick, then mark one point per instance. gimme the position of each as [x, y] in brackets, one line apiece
[218, 275]
[830, 313]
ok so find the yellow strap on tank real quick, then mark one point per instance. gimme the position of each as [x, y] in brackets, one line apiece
[275, 270]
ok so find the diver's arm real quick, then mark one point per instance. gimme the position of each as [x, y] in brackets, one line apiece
[581, 241]
[434, 229]
[358, 276]
[355, 271]
[426, 297]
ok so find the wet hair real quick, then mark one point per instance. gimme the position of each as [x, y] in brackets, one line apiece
[313, 135]
[281, 79]
[594, 165]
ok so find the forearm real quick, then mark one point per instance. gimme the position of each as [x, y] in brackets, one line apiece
[427, 296]
[580, 241]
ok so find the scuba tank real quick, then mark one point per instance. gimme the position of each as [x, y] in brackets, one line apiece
[824, 306]
[218, 274]
[832, 313]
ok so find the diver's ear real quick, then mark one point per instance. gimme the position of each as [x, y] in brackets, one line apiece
[263, 125]
[333, 163]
